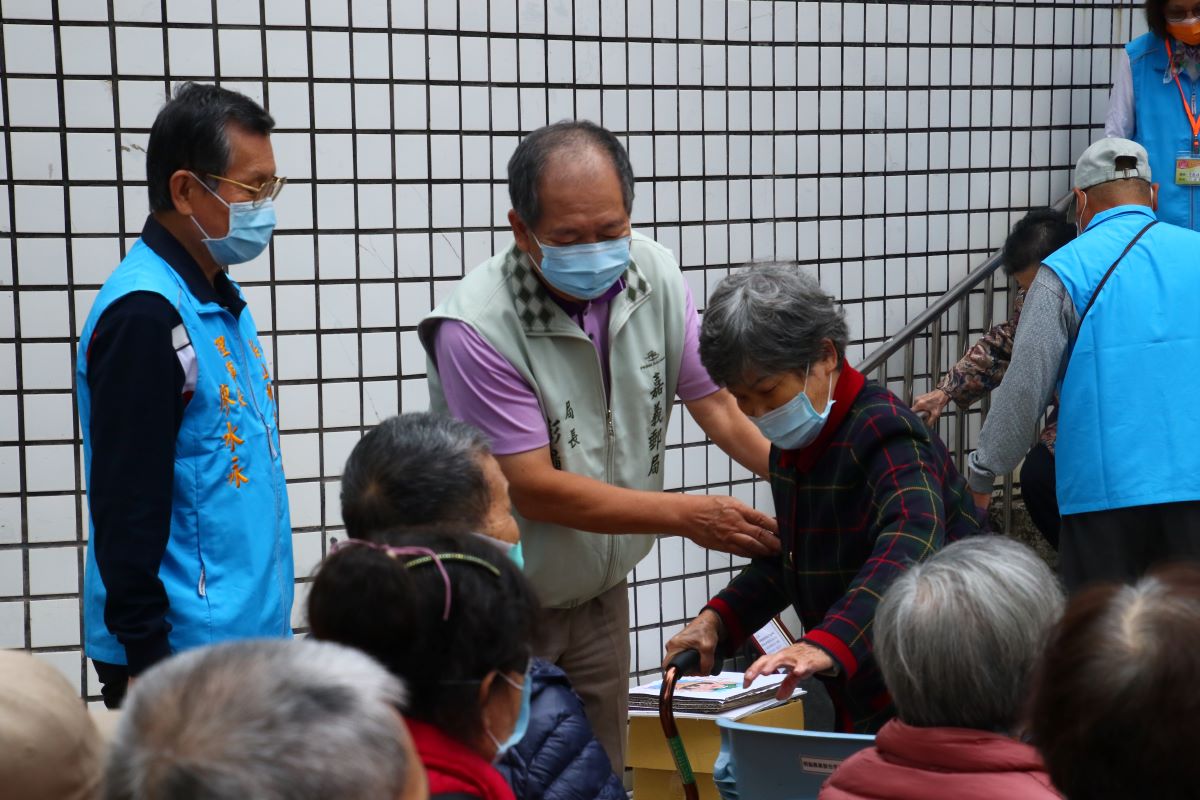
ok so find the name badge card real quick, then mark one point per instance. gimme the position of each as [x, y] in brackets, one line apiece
[1187, 170]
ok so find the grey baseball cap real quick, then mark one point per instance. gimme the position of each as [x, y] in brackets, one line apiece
[1098, 164]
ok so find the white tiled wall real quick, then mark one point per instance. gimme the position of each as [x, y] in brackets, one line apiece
[887, 144]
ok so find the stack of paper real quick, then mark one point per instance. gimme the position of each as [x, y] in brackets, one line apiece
[713, 694]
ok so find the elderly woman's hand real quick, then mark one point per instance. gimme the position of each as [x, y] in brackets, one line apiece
[802, 660]
[930, 406]
[702, 634]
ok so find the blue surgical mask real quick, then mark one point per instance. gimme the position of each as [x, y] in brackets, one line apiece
[584, 271]
[518, 731]
[250, 229]
[795, 424]
[513, 551]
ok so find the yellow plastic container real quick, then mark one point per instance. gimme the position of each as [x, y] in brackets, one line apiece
[654, 775]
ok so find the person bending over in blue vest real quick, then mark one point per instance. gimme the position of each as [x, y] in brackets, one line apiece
[190, 534]
[1110, 318]
[417, 473]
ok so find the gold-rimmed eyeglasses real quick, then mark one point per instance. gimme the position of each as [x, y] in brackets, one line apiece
[268, 191]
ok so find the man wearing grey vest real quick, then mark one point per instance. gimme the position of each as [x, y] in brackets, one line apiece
[568, 349]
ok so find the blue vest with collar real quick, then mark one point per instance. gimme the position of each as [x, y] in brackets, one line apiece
[1162, 127]
[1127, 431]
[227, 570]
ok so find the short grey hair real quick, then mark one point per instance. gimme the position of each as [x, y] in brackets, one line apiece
[529, 160]
[957, 637]
[272, 720]
[768, 319]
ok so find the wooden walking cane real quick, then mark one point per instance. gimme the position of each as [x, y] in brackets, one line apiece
[683, 663]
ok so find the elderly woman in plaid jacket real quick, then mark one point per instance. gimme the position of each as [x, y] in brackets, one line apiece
[862, 489]
[1038, 234]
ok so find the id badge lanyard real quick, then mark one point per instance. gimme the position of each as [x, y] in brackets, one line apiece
[1187, 107]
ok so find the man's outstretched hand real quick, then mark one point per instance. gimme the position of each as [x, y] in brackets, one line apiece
[730, 526]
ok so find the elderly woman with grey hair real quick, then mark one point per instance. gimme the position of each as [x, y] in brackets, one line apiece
[862, 489]
[957, 639]
[267, 719]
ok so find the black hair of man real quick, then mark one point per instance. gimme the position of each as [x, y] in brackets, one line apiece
[190, 133]
[415, 471]
[1035, 236]
[366, 598]
[527, 165]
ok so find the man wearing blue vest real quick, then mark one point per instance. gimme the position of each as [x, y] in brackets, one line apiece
[190, 533]
[1110, 318]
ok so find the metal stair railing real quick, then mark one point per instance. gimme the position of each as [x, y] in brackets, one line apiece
[930, 326]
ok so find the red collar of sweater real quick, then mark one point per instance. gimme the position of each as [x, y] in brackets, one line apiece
[911, 763]
[956, 749]
[850, 383]
[453, 767]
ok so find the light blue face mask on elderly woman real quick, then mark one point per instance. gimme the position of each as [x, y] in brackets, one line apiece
[795, 424]
[522, 725]
[513, 551]
[584, 271]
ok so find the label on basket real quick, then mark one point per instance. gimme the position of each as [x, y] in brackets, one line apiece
[819, 766]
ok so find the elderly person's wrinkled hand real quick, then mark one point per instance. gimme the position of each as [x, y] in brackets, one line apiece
[730, 526]
[802, 660]
[702, 634]
[930, 406]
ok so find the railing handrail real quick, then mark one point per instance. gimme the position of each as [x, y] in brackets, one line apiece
[940, 306]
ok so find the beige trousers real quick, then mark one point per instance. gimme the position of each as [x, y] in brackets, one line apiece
[591, 644]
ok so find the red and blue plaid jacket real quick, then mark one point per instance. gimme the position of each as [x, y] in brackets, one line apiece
[875, 492]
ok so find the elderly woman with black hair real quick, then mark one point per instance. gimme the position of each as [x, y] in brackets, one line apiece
[862, 489]
[418, 472]
[454, 618]
[957, 638]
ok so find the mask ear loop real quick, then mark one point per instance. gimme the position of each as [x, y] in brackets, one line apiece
[828, 395]
[220, 199]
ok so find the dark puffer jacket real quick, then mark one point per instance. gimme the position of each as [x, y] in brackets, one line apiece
[559, 757]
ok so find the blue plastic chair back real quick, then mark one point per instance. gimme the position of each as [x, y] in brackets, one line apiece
[778, 763]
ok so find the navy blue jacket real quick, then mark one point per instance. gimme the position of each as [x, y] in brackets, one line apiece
[559, 757]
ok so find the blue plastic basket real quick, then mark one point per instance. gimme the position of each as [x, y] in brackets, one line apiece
[781, 764]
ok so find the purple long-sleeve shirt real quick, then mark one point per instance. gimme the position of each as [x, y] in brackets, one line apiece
[481, 386]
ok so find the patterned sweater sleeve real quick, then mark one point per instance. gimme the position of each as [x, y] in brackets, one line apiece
[983, 366]
[905, 492]
[751, 600]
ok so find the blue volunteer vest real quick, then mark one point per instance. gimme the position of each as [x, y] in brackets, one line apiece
[228, 568]
[1163, 127]
[1127, 432]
